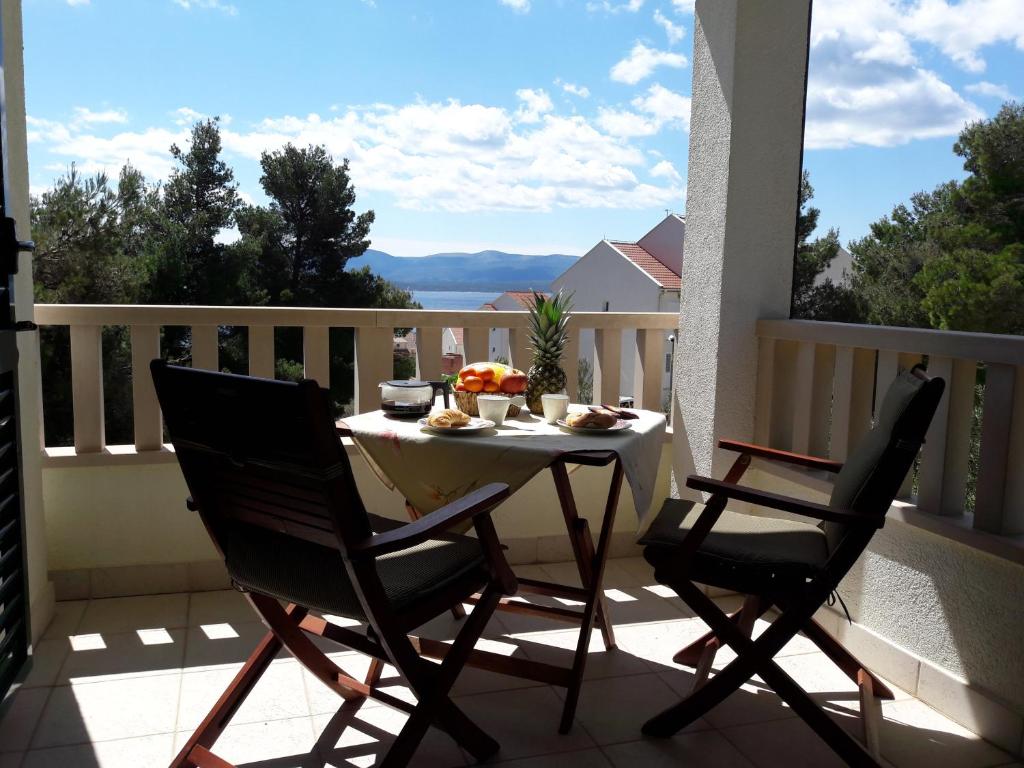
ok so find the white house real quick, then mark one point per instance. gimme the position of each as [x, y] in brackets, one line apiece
[619, 276]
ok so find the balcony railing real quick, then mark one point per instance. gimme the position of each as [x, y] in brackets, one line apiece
[818, 385]
[373, 361]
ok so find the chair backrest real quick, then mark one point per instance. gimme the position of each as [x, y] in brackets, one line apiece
[874, 471]
[263, 453]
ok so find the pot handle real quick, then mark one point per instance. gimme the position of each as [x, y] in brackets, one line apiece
[445, 389]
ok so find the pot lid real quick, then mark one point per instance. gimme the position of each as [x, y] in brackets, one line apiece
[410, 384]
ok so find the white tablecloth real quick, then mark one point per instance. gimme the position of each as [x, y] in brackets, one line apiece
[432, 470]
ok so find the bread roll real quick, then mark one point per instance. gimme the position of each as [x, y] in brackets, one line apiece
[449, 418]
[592, 420]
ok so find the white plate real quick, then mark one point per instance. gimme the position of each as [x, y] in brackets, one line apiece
[618, 426]
[474, 426]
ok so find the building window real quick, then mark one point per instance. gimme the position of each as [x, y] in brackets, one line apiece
[668, 362]
[606, 305]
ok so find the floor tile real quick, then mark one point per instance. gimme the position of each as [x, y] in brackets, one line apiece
[216, 646]
[19, 715]
[323, 701]
[914, 734]
[114, 709]
[66, 616]
[122, 753]
[703, 749]
[370, 732]
[754, 702]
[782, 744]
[112, 655]
[559, 647]
[47, 658]
[219, 607]
[614, 709]
[271, 743]
[585, 758]
[524, 722]
[127, 614]
[280, 694]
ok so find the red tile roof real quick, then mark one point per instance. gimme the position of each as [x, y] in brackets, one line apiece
[640, 256]
[489, 307]
[525, 298]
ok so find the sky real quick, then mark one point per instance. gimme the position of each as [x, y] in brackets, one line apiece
[533, 126]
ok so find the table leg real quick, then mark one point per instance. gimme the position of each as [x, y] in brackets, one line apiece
[591, 565]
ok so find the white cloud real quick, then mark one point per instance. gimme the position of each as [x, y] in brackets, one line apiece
[535, 103]
[673, 31]
[866, 82]
[208, 5]
[187, 116]
[445, 156]
[683, 6]
[84, 115]
[632, 6]
[74, 3]
[665, 170]
[519, 6]
[994, 90]
[576, 90]
[641, 63]
[653, 111]
[961, 30]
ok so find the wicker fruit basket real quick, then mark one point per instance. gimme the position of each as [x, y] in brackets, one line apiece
[466, 401]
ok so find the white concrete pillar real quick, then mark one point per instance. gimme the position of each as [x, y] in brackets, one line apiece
[746, 131]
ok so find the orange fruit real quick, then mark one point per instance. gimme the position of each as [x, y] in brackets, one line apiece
[487, 374]
[473, 383]
[491, 386]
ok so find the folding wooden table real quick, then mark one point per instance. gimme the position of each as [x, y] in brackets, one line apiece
[590, 562]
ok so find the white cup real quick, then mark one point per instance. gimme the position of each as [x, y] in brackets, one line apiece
[555, 407]
[493, 408]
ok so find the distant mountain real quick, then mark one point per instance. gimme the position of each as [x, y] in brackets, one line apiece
[484, 271]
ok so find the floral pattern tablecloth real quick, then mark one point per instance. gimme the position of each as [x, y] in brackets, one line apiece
[432, 470]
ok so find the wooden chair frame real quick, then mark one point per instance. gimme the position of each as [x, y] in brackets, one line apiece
[796, 606]
[386, 638]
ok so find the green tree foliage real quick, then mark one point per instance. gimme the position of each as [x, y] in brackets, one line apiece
[825, 301]
[954, 257]
[135, 243]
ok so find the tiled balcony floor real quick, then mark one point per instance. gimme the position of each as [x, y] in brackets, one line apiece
[122, 681]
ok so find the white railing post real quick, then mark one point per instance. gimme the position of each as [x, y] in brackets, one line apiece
[374, 363]
[570, 362]
[205, 353]
[851, 399]
[942, 478]
[476, 342]
[87, 388]
[428, 354]
[316, 354]
[803, 397]
[649, 368]
[519, 349]
[765, 391]
[608, 364]
[261, 351]
[149, 429]
[996, 473]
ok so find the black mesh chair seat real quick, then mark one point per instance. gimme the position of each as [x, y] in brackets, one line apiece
[741, 550]
[312, 575]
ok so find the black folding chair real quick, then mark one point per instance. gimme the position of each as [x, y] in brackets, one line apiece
[786, 564]
[271, 481]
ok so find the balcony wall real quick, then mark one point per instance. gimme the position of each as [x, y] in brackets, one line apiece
[116, 522]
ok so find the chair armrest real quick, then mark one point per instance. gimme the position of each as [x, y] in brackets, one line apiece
[763, 452]
[784, 503]
[469, 506]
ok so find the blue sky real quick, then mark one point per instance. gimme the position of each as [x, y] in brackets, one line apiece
[528, 125]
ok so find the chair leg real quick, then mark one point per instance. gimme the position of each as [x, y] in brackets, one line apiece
[843, 659]
[217, 720]
[754, 657]
[432, 686]
[745, 619]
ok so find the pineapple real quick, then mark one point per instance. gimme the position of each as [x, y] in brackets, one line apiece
[548, 337]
